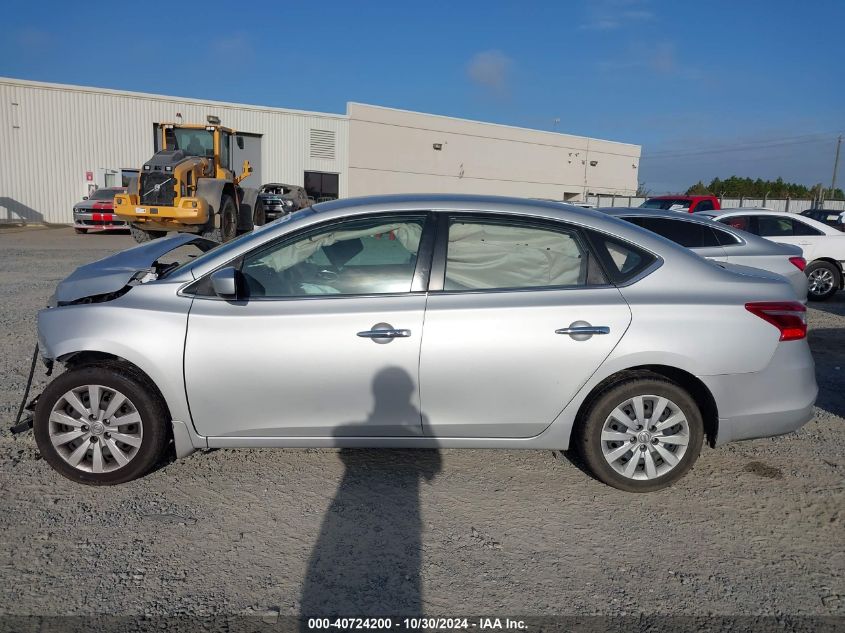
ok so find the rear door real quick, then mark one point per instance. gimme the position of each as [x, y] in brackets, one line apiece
[505, 345]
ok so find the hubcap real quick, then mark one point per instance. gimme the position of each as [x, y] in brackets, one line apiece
[821, 281]
[95, 429]
[645, 437]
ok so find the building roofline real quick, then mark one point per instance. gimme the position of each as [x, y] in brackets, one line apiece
[501, 125]
[158, 97]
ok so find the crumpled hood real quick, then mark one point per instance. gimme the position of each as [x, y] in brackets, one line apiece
[114, 272]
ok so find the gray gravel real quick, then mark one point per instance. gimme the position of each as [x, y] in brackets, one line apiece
[755, 528]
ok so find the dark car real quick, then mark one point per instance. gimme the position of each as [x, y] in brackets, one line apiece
[280, 199]
[96, 212]
[836, 219]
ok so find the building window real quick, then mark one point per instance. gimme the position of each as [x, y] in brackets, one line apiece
[322, 186]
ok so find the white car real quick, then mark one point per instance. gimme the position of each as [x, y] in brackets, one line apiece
[823, 245]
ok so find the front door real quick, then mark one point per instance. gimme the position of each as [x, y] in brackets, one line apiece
[323, 342]
[525, 317]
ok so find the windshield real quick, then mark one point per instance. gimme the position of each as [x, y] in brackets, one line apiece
[102, 194]
[192, 142]
[665, 203]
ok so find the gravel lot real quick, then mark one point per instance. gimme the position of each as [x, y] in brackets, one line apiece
[755, 528]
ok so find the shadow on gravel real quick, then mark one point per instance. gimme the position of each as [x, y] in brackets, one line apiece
[828, 347]
[367, 557]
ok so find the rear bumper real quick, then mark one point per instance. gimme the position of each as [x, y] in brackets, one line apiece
[777, 400]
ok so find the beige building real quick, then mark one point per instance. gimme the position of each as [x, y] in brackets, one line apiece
[57, 142]
[395, 151]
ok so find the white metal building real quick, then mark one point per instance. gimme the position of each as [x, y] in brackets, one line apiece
[59, 141]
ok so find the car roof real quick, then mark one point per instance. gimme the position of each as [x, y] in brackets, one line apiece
[655, 213]
[821, 226]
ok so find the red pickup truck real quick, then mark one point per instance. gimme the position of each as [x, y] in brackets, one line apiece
[684, 204]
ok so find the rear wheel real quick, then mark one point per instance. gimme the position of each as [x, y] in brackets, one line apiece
[101, 425]
[227, 219]
[823, 280]
[641, 434]
[141, 235]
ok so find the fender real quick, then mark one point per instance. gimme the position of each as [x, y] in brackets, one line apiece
[211, 190]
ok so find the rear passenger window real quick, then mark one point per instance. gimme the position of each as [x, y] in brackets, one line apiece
[724, 238]
[689, 234]
[622, 260]
[774, 226]
[488, 255]
[741, 222]
[704, 205]
[802, 228]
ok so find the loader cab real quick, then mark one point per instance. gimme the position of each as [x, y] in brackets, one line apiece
[204, 141]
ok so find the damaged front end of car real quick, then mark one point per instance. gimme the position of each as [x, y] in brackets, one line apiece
[100, 282]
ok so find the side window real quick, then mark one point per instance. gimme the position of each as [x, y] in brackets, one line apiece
[225, 142]
[774, 226]
[369, 256]
[488, 254]
[724, 238]
[689, 234]
[704, 205]
[623, 261]
[802, 228]
[741, 222]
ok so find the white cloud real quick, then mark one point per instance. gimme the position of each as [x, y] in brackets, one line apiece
[608, 15]
[490, 70]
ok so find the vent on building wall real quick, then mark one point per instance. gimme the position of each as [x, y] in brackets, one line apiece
[322, 144]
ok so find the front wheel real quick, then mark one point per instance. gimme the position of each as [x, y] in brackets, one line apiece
[80, 231]
[141, 235]
[823, 279]
[100, 425]
[641, 434]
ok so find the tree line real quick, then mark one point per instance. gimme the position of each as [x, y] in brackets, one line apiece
[736, 187]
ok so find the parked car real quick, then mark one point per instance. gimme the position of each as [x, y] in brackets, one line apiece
[823, 246]
[685, 204]
[279, 199]
[722, 243]
[836, 219]
[422, 321]
[96, 212]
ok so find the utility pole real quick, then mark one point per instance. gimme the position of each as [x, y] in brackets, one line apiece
[835, 166]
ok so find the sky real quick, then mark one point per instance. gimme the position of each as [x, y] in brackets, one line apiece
[727, 87]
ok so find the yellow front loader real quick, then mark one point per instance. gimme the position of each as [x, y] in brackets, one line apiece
[190, 186]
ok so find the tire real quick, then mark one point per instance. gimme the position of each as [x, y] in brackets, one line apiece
[228, 228]
[600, 438]
[259, 218]
[81, 231]
[824, 280]
[141, 444]
[141, 235]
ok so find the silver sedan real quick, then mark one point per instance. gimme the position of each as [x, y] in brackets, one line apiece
[421, 321]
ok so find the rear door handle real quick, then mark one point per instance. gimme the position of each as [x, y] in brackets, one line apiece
[584, 329]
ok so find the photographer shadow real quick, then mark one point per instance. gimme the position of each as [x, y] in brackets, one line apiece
[366, 561]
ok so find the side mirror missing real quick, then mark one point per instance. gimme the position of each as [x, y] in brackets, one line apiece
[225, 283]
[240, 141]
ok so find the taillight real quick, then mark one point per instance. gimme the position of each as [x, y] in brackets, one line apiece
[799, 262]
[790, 317]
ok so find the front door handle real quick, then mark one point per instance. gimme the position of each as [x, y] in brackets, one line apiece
[385, 334]
[584, 329]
